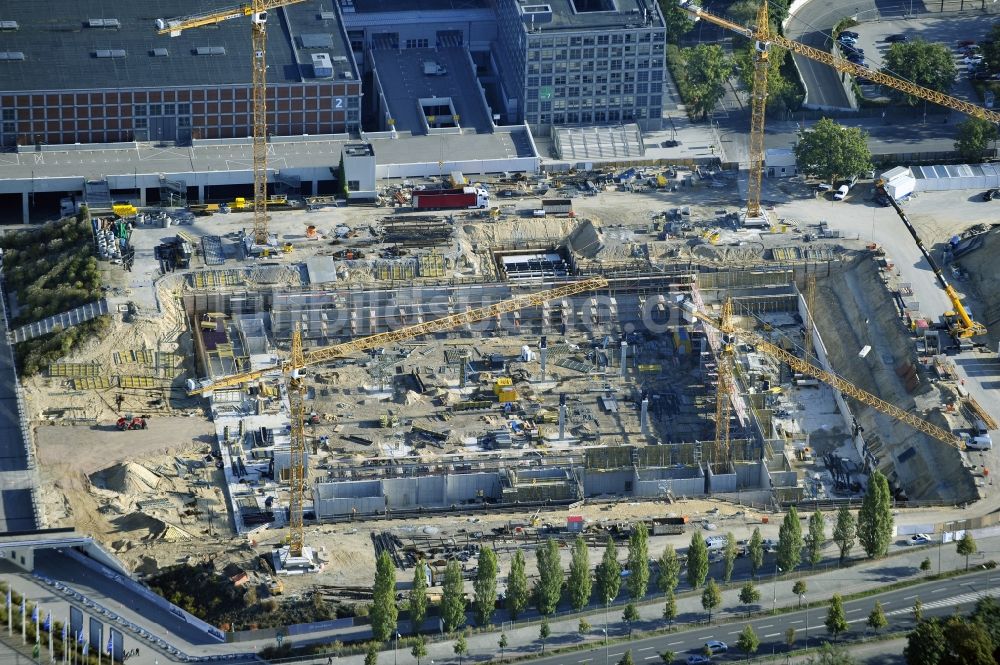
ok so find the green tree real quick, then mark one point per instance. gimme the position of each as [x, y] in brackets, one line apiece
[790, 638]
[966, 546]
[924, 63]
[875, 517]
[711, 597]
[667, 657]
[974, 138]
[461, 647]
[729, 557]
[638, 562]
[419, 649]
[669, 574]
[799, 589]
[990, 48]
[755, 548]
[706, 70]
[918, 610]
[452, 597]
[485, 586]
[697, 563]
[544, 631]
[744, 12]
[829, 150]
[749, 594]
[925, 644]
[502, 643]
[670, 608]
[876, 619]
[748, 642]
[342, 189]
[608, 576]
[418, 597]
[845, 532]
[548, 588]
[925, 565]
[968, 642]
[987, 612]
[579, 583]
[626, 658]
[782, 92]
[836, 619]
[371, 654]
[817, 537]
[383, 610]
[517, 586]
[790, 541]
[832, 654]
[630, 615]
[583, 627]
[678, 22]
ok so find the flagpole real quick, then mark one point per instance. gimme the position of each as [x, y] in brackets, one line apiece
[10, 614]
[24, 622]
[52, 654]
[38, 625]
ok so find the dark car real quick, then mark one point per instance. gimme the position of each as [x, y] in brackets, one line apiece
[848, 34]
[861, 80]
[895, 39]
[991, 194]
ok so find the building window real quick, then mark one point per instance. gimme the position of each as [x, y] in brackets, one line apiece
[602, 39]
[140, 123]
[155, 109]
[183, 121]
[353, 185]
[8, 127]
[139, 110]
[417, 43]
[183, 109]
[8, 114]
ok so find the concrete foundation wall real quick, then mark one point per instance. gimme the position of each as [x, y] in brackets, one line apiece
[596, 483]
[722, 482]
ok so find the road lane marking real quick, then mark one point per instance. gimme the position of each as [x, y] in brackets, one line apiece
[766, 625]
[860, 609]
[645, 649]
[652, 657]
[939, 589]
[706, 637]
[799, 621]
[909, 597]
[671, 644]
[772, 635]
[585, 660]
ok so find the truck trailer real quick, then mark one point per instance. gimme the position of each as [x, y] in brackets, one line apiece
[451, 199]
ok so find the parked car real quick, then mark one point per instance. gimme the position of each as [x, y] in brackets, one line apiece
[897, 39]
[919, 539]
[848, 35]
[861, 80]
[846, 40]
[972, 60]
[991, 194]
[966, 42]
[698, 659]
[716, 647]
[842, 192]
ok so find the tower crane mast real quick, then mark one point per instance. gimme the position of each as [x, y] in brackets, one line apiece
[299, 359]
[257, 11]
[831, 379]
[763, 38]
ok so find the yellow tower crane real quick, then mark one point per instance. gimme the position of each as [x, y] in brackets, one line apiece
[299, 359]
[810, 297]
[725, 388]
[257, 11]
[763, 38]
[831, 379]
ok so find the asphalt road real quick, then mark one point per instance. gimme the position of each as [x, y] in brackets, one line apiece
[940, 598]
[811, 25]
[16, 510]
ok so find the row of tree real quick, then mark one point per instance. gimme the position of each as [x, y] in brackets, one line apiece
[873, 528]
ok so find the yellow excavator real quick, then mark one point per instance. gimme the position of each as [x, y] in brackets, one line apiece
[960, 322]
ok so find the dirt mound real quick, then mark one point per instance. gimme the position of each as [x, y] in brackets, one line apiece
[586, 239]
[126, 478]
[141, 526]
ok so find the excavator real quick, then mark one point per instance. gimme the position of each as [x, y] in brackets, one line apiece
[960, 324]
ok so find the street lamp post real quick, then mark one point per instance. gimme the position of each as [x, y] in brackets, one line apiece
[607, 647]
[395, 648]
[807, 621]
[774, 590]
[947, 528]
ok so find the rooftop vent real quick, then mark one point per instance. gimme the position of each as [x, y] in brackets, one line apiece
[210, 50]
[536, 13]
[159, 52]
[11, 55]
[110, 53]
[103, 23]
[322, 67]
[8, 25]
[326, 16]
[316, 40]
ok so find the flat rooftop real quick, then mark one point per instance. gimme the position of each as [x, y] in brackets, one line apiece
[591, 14]
[146, 158]
[404, 83]
[61, 45]
[378, 6]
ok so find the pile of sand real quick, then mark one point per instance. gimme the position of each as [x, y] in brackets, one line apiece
[146, 527]
[126, 478]
[586, 239]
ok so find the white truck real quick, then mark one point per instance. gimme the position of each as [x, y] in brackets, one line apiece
[899, 182]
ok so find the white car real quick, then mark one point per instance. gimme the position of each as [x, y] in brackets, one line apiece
[842, 192]
[972, 60]
[920, 539]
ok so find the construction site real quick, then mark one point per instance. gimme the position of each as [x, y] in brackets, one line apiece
[635, 347]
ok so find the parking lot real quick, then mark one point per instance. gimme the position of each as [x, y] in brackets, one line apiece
[944, 29]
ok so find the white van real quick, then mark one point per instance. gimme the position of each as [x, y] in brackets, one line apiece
[978, 442]
[715, 543]
[842, 192]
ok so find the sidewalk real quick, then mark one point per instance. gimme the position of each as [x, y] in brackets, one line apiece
[524, 640]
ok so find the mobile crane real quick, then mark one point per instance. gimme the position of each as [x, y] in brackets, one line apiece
[831, 379]
[299, 359]
[960, 323]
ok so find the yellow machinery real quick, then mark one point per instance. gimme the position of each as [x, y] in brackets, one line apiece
[843, 385]
[504, 389]
[124, 209]
[256, 10]
[960, 324]
[724, 391]
[298, 360]
[763, 38]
